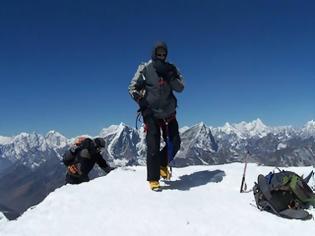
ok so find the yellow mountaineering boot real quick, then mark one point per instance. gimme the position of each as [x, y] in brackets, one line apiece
[165, 173]
[155, 185]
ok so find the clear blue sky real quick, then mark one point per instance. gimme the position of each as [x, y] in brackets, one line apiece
[66, 65]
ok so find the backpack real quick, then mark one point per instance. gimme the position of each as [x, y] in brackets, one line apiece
[285, 194]
[70, 156]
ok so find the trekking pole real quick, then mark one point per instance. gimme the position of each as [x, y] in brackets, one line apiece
[170, 148]
[313, 178]
[138, 118]
[243, 184]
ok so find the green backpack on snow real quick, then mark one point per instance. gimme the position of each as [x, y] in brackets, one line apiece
[285, 194]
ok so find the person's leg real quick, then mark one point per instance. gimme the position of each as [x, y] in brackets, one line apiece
[172, 140]
[84, 178]
[174, 136]
[163, 152]
[72, 180]
[153, 148]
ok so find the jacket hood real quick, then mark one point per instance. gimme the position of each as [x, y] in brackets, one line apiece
[159, 44]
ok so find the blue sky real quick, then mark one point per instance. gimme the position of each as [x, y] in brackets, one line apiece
[66, 65]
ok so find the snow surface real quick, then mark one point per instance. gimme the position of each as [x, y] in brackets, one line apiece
[3, 219]
[200, 200]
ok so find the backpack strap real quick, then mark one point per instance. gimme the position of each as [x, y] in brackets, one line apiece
[264, 187]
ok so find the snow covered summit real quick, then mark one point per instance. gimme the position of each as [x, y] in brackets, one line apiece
[200, 200]
[309, 129]
[246, 130]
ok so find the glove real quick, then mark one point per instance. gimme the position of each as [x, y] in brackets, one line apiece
[74, 170]
[171, 72]
[165, 70]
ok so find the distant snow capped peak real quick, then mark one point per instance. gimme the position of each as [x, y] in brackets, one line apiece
[183, 129]
[5, 140]
[200, 127]
[122, 124]
[244, 129]
[310, 125]
[227, 128]
[109, 130]
[32, 138]
[309, 129]
[201, 124]
[257, 127]
[257, 124]
[55, 139]
[116, 130]
[53, 132]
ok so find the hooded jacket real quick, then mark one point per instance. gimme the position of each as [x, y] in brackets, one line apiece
[157, 92]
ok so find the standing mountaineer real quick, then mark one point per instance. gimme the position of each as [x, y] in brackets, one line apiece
[152, 88]
[81, 158]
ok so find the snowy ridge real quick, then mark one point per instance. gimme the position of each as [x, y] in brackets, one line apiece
[32, 149]
[200, 200]
[183, 129]
[199, 138]
[245, 130]
[56, 140]
[309, 129]
[121, 142]
[111, 130]
[3, 219]
[5, 140]
[126, 145]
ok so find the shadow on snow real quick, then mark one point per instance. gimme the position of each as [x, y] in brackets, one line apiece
[186, 182]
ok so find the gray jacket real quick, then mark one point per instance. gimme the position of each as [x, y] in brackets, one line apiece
[159, 96]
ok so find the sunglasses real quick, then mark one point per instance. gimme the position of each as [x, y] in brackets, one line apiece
[161, 54]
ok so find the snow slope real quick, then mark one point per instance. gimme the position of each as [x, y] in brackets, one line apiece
[201, 200]
[3, 219]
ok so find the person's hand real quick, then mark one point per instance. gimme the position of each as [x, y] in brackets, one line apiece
[171, 72]
[73, 169]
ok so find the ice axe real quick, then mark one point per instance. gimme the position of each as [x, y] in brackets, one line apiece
[243, 183]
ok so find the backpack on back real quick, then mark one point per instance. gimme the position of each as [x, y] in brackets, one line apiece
[285, 194]
[70, 157]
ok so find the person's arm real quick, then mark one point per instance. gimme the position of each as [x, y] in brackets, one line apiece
[89, 147]
[176, 81]
[68, 158]
[137, 84]
[101, 161]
